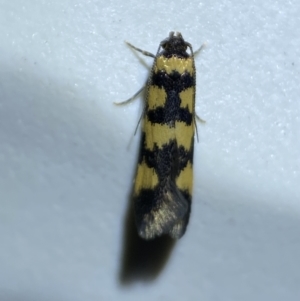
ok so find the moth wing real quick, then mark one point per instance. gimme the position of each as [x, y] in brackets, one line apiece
[167, 216]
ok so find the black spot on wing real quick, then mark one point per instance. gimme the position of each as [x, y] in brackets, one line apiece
[173, 84]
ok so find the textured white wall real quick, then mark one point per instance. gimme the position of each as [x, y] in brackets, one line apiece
[66, 171]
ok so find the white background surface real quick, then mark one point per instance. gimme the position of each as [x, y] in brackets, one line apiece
[66, 171]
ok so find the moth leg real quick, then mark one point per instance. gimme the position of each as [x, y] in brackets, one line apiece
[200, 120]
[142, 115]
[200, 49]
[133, 97]
[140, 50]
